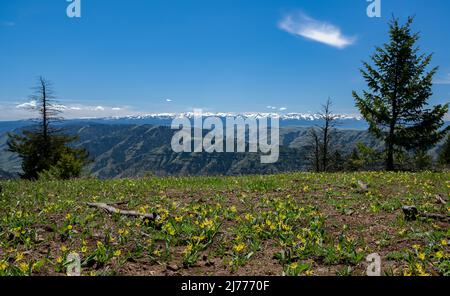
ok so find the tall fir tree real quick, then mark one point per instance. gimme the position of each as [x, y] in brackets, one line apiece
[43, 147]
[400, 85]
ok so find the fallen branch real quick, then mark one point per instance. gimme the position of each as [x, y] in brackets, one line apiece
[118, 203]
[112, 210]
[440, 199]
[436, 217]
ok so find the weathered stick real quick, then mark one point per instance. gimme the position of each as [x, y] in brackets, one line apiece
[117, 203]
[436, 217]
[440, 199]
[112, 210]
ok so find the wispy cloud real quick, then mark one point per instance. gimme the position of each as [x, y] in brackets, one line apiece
[168, 100]
[276, 108]
[27, 105]
[444, 80]
[302, 25]
[24, 110]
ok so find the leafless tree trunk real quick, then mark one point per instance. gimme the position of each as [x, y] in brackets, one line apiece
[327, 130]
[315, 143]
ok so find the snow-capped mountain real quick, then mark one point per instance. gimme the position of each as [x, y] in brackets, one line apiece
[257, 115]
[286, 119]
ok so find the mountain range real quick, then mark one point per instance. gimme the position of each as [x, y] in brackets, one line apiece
[134, 146]
[289, 119]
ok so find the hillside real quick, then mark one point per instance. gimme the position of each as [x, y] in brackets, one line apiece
[134, 150]
[292, 224]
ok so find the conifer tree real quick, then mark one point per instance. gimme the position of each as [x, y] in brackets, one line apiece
[44, 147]
[400, 85]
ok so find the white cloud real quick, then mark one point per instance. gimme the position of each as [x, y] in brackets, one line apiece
[14, 111]
[323, 32]
[445, 80]
[168, 100]
[283, 109]
[28, 105]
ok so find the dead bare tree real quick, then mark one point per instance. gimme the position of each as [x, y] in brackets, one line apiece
[321, 137]
[327, 132]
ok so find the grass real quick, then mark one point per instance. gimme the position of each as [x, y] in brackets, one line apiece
[291, 224]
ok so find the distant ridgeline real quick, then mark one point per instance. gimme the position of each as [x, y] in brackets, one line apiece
[132, 147]
[290, 119]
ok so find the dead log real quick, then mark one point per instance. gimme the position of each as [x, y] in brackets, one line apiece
[112, 210]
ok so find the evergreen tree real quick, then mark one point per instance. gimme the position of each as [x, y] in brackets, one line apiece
[337, 162]
[44, 147]
[354, 162]
[400, 86]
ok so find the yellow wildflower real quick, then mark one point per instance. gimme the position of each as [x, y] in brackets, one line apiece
[293, 265]
[19, 256]
[421, 256]
[3, 265]
[188, 249]
[239, 247]
[23, 267]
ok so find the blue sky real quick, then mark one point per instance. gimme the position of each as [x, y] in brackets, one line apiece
[128, 57]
